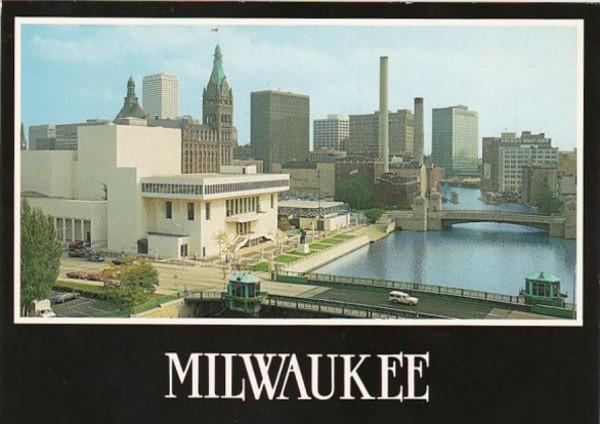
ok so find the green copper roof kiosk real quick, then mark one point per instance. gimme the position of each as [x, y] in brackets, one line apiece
[543, 288]
[244, 294]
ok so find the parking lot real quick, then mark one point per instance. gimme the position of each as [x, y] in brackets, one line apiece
[83, 307]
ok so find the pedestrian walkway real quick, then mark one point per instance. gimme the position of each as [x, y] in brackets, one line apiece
[327, 255]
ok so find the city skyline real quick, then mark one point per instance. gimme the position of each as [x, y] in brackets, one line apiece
[536, 89]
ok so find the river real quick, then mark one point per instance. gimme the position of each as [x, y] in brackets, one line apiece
[482, 256]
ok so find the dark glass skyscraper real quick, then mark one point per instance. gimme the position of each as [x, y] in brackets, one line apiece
[279, 127]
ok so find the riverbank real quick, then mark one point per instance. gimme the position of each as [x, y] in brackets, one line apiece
[312, 262]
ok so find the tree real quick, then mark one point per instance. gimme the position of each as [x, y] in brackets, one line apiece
[222, 240]
[136, 281]
[545, 200]
[356, 191]
[40, 257]
[374, 214]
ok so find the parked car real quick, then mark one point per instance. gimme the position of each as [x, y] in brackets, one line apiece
[95, 257]
[81, 275]
[123, 260]
[93, 276]
[76, 244]
[78, 253]
[64, 297]
[401, 297]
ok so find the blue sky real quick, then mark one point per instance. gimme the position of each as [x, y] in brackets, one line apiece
[517, 78]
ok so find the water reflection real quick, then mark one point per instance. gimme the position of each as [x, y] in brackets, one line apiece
[484, 256]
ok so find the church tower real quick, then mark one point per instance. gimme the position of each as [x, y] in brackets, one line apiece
[217, 110]
[131, 107]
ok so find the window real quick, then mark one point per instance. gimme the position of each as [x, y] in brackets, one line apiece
[272, 201]
[183, 250]
[207, 210]
[190, 211]
[169, 210]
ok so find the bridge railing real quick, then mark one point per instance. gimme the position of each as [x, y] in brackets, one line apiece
[410, 286]
[494, 213]
[203, 295]
[348, 309]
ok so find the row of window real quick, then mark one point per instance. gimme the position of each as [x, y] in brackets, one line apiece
[195, 189]
[243, 205]
[199, 189]
[191, 212]
[250, 185]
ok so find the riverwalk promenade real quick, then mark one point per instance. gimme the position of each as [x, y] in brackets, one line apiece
[361, 237]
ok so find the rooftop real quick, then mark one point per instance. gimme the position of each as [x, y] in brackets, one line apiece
[210, 176]
[243, 277]
[543, 276]
[308, 204]
[281, 93]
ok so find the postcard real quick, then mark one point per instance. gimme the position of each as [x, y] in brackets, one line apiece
[274, 208]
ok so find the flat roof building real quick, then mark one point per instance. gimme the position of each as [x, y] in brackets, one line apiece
[308, 179]
[279, 127]
[59, 136]
[364, 134]
[123, 191]
[455, 140]
[161, 96]
[505, 157]
[331, 133]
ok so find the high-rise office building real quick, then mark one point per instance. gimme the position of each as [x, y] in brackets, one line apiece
[505, 157]
[208, 145]
[454, 140]
[161, 96]
[331, 133]
[279, 127]
[364, 134]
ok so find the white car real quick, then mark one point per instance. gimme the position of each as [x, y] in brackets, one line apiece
[401, 297]
[42, 308]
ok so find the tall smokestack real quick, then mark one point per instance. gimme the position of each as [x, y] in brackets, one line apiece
[384, 145]
[418, 144]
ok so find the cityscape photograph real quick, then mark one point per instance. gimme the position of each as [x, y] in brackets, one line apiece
[393, 171]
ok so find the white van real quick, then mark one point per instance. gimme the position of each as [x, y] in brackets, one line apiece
[401, 297]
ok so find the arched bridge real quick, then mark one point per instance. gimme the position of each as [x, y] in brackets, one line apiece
[451, 217]
[444, 219]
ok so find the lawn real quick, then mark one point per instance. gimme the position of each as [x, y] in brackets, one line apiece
[318, 246]
[330, 241]
[343, 237]
[260, 267]
[286, 259]
[79, 287]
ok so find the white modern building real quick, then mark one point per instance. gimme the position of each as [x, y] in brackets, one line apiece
[161, 96]
[123, 191]
[331, 133]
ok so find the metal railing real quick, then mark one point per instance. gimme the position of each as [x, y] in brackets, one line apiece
[346, 309]
[333, 307]
[410, 286]
[203, 295]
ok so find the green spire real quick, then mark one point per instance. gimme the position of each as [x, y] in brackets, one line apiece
[217, 75]
[130, 87]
